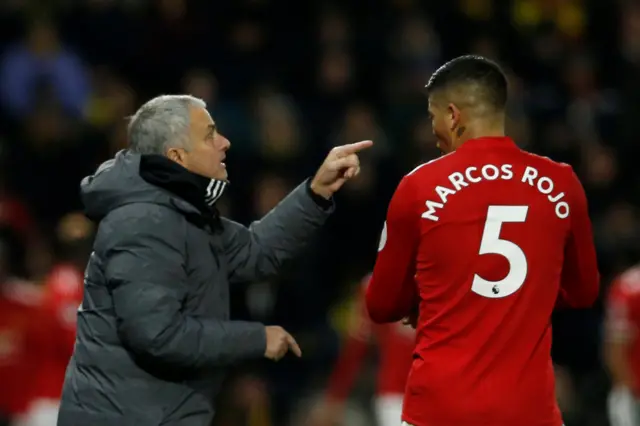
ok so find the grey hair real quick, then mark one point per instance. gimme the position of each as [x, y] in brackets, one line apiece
[162, 123]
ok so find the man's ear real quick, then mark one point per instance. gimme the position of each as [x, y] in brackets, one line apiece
[453, 113]
[177, 155]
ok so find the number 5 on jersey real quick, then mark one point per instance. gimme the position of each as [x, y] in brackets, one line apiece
[491, 243]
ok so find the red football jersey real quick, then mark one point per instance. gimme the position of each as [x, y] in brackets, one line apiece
[395, 343]
[56, 339]
[19, 302]
[623, 318]
[485, 240]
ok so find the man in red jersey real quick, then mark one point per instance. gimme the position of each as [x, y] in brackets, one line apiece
[19, 302]
[55, 337]
[622, 348]
[395, 343]
[486, 240]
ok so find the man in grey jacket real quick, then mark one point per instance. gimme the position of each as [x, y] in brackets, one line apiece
[154, 335]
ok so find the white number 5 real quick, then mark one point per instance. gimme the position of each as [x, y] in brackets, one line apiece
[492, 244]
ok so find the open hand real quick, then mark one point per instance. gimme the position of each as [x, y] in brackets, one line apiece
[341, 164]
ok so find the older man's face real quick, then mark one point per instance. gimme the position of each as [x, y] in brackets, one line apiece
[208, 147]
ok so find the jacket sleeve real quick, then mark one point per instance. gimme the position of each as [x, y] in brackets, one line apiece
[258, 252]
[145, 272]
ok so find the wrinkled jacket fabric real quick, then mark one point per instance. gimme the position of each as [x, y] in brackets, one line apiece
[154, 336]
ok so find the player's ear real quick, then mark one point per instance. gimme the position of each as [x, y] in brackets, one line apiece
[453, 116]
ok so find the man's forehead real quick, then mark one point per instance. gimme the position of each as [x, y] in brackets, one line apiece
[202, 116]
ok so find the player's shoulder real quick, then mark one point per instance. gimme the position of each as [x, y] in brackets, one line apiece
[428, 172]
[546, 164]
[425, 169]
[537, 167]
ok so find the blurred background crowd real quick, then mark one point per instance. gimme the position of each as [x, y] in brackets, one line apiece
[286, 80]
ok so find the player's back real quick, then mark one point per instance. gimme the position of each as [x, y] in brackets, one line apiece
[493, 233]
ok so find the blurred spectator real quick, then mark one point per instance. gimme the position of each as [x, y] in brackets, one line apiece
[112, 100]
[231, 115]
[48, 138]
[278, 130]
[260, 297]
[590, 110]
[488, 47]
[334, 30]
[569, 17]
[360, 123]
[630, 48]
[56, 335]
[518, 122]
[201, 84]
[622, 348]
[42, 64]
[335, 72]
[172, 36]
[417, 49]
[247, 403]
[393, 342]
[270, 189]
[19, 303]
[477, 10]
[617, 237]
[14, 213]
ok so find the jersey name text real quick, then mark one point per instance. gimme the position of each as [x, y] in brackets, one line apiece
[472, 174]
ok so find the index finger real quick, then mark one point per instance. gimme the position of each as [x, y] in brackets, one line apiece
[352, 148]
[293, 346]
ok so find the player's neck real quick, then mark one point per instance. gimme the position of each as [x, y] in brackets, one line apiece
[478, 129]
[485, 133]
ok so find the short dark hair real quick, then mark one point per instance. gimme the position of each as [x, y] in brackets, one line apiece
[472, 69]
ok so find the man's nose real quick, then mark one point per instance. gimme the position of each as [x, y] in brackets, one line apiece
[224, 143]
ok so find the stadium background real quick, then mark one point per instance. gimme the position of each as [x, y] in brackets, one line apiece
[286, 80]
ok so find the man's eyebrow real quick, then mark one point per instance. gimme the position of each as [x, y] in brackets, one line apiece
[211, 128]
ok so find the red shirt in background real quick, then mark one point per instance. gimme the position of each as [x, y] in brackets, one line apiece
[486, 240]
[19, 305]
[15, 214]
[56, 338]
[394, 342]
[623, 318]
